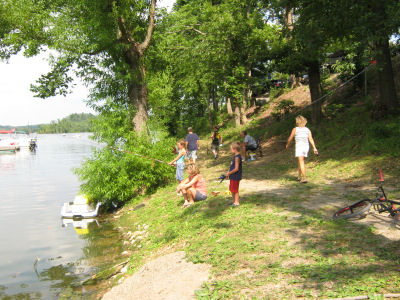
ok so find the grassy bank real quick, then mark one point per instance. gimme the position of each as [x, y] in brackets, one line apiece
[281, 241]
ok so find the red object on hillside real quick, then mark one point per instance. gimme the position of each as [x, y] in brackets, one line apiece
[373, 61]
[8, 131]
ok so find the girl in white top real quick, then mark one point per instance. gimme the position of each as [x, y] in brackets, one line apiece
[303, 138]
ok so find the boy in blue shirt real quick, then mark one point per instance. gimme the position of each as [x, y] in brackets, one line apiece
[192, 145]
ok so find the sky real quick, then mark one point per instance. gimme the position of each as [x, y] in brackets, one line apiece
[18, 106]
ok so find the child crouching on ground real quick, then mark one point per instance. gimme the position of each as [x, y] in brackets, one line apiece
[179, 160]
[193, 188]
[235, 173]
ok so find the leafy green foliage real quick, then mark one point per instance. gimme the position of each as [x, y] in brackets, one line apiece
[202, 55]
[114, 176]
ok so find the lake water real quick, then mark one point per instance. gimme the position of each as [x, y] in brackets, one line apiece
[39, 257]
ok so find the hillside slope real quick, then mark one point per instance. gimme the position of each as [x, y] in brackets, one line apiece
[282, 242]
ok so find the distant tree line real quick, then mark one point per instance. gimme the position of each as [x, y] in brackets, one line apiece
[72, 123]
[26, 128]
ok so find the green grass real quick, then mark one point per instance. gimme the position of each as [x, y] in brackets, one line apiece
[281, 242]
[273, 246]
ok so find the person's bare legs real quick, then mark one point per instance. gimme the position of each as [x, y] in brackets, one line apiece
[191, 195]
[235, 197]
[179, 188]
[214, 151]
[185, 196]
[302, 168]
[299, 173]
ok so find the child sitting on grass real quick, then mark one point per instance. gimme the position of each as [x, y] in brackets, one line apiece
[193, 188]
[179, 160]
[235, 173]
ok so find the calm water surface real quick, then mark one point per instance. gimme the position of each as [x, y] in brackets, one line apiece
[39, 257]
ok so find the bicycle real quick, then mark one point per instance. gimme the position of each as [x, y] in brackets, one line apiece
[380, 204]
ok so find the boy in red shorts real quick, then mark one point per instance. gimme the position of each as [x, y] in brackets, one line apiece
[235, 173]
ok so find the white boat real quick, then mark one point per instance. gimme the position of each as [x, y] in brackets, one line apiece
[8, 143]
[12, 139]
[79, 208]
[5, 146]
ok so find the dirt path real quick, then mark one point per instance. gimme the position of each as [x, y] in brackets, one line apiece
[167, 277]
[328, 201]
[325, 195]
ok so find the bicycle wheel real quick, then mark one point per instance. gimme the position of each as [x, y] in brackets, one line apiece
[355, 210]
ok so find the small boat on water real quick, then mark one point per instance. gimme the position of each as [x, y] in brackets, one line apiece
[6, 142]
[79, 208]
[12, 140]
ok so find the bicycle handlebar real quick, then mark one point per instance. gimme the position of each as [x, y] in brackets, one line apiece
[381, 175]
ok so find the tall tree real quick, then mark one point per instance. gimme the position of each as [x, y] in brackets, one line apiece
[104, 42]
[302, 48]
[365, 22]
[210, 49]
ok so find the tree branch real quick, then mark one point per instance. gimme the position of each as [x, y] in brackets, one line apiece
[194, 29]
[126, 34]
[150, 28]
[187, 28]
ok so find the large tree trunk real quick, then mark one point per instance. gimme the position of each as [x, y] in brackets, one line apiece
[134, 57]
[137, 93]
[244, 106]
[388, 103]
[288, 17]
[237, 115]
[243, 118]
[315, 91]
[229, 106]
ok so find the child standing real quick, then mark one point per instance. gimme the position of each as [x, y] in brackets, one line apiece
[179, 160]
[303, 137]
[235, 173]
[216, 141]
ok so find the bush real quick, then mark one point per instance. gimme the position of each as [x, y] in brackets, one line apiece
[114, 176]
